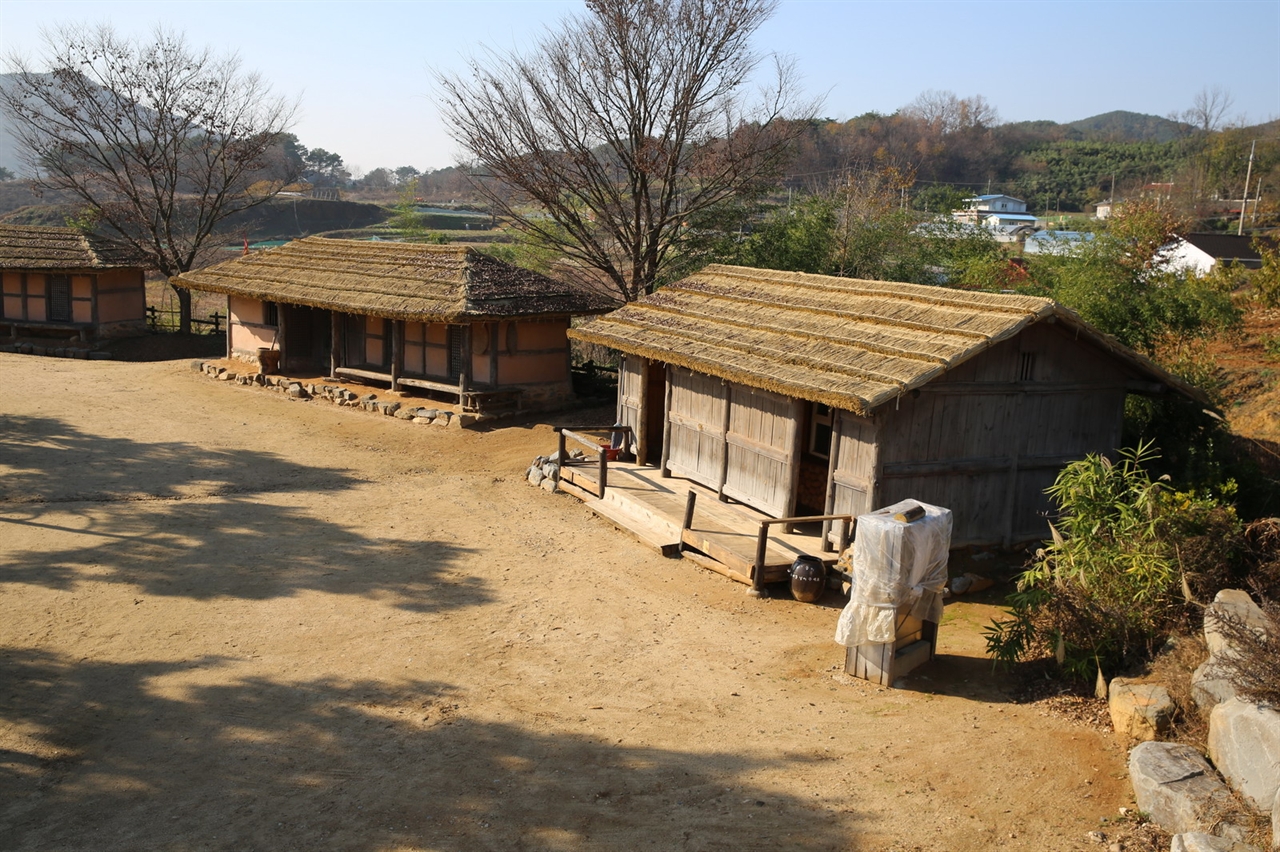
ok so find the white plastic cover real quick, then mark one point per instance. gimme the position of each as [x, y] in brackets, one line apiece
[898, 569]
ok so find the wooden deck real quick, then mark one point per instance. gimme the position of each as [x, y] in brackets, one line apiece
[722, 536]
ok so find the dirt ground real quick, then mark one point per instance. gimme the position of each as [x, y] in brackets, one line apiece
[229, 620]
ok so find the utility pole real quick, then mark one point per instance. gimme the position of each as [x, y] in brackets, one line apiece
[1244, 202]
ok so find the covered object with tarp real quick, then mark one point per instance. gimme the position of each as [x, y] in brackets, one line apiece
[898, 572]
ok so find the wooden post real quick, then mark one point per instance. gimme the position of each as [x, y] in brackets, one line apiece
[689, 503]
[757, 570]
[845, 527]
[833, 459]
[464, 375]
[144, 275]
[280, 337]
[493, 354]
[562, 453]
[604, 471]
[797, 446]
[397, 353]
[666, 427]
[724, 444]
[336, 344]
[641, 439]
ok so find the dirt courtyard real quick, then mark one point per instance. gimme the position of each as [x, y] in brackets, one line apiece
[233, 621]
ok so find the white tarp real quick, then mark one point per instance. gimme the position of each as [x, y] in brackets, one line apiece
[898, 569]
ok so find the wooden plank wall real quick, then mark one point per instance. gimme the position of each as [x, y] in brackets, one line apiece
[853, 474]
[696, 426]
[631, 397]
[762, 451]
[987, 438]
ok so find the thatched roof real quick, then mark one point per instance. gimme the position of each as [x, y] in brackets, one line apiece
[406, 281]
[848, 343]
[31, 247]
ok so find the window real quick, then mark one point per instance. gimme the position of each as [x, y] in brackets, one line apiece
[1027, 372]
[820, 430]
[59, 298]
[270, 313]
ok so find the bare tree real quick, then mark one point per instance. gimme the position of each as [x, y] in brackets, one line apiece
[626, 130]
[943, 112]
[160, 141]
[1208, 108]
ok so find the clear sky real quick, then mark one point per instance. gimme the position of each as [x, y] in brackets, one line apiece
[362, 69]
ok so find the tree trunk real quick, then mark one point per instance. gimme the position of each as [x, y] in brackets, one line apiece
[184, 308]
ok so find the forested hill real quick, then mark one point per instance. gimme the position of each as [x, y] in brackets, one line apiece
[1052, 166]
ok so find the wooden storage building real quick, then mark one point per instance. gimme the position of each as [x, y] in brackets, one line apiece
[445, 319]
[58, 280]
[803, 394]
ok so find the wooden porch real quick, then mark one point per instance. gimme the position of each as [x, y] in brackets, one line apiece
[679, 517]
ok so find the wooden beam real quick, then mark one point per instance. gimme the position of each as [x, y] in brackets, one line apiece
[397, 353]
[337, 345]
[666, 426]
[464, 375]
[994, 464]
[228, 324]
[280, 311]
[797, 438]
[833, 456]
[724, 446]
[642, 412]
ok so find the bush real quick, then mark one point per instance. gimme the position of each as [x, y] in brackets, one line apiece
[1128, 556]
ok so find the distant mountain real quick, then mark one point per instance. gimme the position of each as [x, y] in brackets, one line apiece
[1124, 126]
[9, 156]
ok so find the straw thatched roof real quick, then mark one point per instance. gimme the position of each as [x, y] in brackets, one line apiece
[845, 342]
[406, 281]
[31, 247]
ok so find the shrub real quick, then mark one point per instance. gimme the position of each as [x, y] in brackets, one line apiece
[1128, 555]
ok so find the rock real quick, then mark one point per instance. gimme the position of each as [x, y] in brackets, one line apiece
[1244, 743]
[421, 419]
[99, 355]
[406, 413]
[548, 485]
[1207, 690]
[443, 418]
[575, 453]
[959, 585]
[1275, 824]
[1139, 711]
[1232, 602]
[535, 476]
[1095, 836]
[551, 470]
[1179, 789]
[388, 408]
[297, 391]
[463, 421]
[227, 376]
[369, 397]
[1199, 841]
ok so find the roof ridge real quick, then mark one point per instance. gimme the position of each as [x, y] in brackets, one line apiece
[919, 292]
[852, 344]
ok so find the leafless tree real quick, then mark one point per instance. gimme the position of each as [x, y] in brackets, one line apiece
[944, 112]
[626, 130]
[1208, 108]
[160, 141]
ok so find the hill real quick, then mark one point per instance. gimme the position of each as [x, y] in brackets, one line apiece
[1124, 126]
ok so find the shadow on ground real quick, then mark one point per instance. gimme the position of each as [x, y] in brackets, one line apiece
[177, 519]
[165, 755]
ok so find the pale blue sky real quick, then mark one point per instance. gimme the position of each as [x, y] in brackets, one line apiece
[361, 69]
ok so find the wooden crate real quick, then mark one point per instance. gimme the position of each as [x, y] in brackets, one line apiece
[915, 642]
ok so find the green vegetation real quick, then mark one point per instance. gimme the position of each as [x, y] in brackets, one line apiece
[1128, 555]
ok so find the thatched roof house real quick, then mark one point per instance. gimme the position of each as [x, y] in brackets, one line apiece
[54, 280]
[836, 395]
[440, 318]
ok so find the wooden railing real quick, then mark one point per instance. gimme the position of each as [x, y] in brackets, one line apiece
[762, 537]
[592, 442]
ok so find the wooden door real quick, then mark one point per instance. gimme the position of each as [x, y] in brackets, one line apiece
[853, 470]
[699, 405]
[631, 393]
[763, 454]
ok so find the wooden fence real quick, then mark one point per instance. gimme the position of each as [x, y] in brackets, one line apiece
[167, 318]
